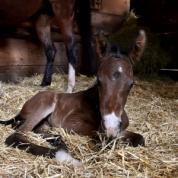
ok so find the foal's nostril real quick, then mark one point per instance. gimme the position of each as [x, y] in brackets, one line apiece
[120, 126]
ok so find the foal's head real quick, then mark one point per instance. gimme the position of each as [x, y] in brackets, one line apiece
[115, 79]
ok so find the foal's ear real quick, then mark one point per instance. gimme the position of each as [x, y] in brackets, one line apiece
[138, 47]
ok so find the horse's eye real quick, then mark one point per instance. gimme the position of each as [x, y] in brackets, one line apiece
[116, 75]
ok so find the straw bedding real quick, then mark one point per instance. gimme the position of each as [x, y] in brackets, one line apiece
[153, 110]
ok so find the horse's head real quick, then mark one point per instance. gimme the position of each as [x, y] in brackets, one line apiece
[115, 79]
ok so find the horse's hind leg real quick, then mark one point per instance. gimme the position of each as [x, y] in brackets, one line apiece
[43, 129]
[60, 152]
[64, 13]
[69, 43]
[43, 29]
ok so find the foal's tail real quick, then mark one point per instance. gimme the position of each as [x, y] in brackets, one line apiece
[83, 16]
[16, 121]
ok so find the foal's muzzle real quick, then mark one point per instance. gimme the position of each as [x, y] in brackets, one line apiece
[112, 125]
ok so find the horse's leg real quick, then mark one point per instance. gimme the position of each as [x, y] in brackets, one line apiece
[72, 63]
[32, 117]
[64, 14]
[43, 130]
[44, 34]
[131, 138]
[125, 121]
[69, 43]
[60, 152]
[54, 140]
[20, 140]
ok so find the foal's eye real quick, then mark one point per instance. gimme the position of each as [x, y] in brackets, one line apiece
[116, 75]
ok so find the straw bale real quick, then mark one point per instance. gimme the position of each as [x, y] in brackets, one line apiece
[153, 110]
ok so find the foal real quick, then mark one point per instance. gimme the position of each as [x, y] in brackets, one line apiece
[99, 108]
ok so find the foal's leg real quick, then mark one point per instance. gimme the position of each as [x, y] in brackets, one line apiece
[64, 13]
[44, 34]
[60, 152]
[43, 130]
[131, 138]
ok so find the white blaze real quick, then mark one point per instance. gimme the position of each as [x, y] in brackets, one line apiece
[120, 69]
[112, 124]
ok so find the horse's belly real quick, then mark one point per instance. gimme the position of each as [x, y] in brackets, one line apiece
[106, 22]
[108, 15]
[16, 11]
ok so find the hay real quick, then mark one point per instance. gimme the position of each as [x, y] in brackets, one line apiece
[153, 111]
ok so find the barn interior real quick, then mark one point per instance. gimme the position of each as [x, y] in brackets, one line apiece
[152, 105]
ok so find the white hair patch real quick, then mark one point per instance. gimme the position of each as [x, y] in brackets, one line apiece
[120, 69]
[71, 79]
[64, 157]
[112, 124]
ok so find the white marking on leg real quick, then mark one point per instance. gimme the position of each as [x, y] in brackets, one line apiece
[64, 157]
[112, 124]
[120, 69]
[71, 79]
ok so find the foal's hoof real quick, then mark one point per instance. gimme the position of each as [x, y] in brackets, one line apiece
[137, 140]
[45, 83]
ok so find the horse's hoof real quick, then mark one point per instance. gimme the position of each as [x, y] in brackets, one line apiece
[138, 140]
[45, 83]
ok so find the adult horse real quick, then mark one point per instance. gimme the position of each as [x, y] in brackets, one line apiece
[45, 12]
[14, 12]
[99, 108]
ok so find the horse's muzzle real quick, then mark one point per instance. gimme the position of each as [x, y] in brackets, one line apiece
[112, 132]
[112, 124]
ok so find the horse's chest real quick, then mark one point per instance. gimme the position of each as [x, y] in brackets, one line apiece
[77, 117]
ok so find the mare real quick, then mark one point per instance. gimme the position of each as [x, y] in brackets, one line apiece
[62, 13]
[97, 109]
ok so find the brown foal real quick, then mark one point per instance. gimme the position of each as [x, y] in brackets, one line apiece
[99, 108]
